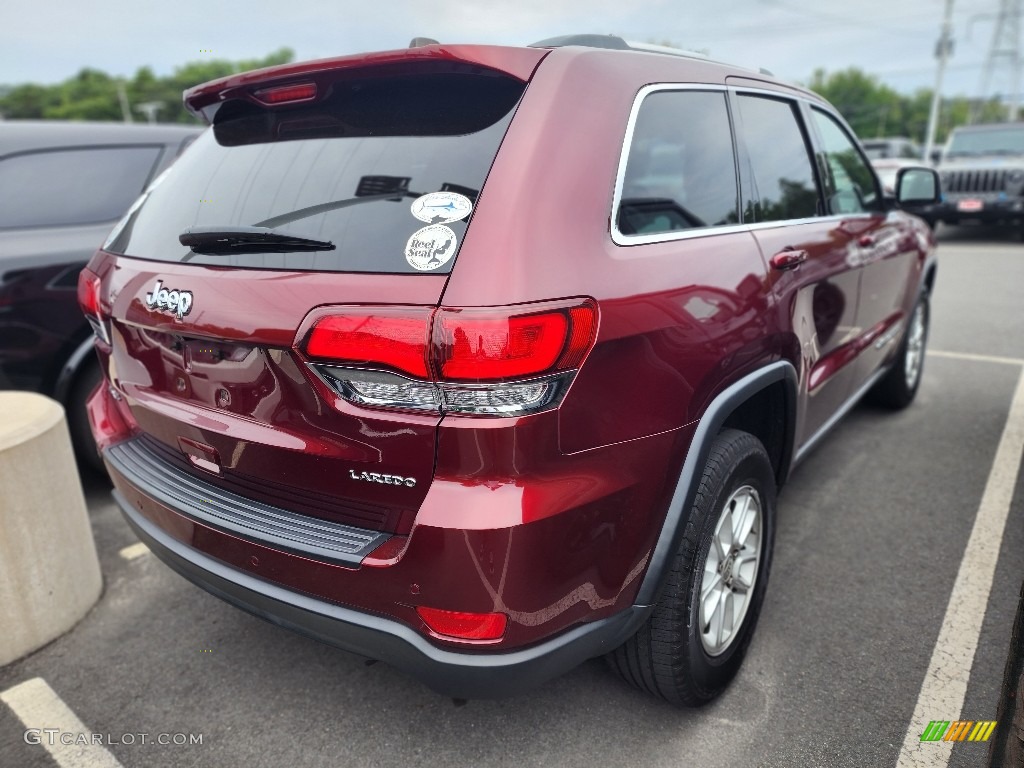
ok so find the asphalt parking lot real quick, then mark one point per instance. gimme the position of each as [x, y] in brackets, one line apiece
[872, 532]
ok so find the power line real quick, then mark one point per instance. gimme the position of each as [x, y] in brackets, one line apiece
[1005, 47]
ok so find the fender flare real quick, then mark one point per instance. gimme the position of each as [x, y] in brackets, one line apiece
[929, 273]
[708, 427]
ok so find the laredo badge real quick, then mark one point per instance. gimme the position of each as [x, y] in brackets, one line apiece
[441, 207]
[430, 247]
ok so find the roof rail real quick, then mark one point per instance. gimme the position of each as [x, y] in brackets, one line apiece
[653, 48]
[589, 41]
[619, 44]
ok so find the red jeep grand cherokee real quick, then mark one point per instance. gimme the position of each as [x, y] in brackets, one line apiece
[484, 361]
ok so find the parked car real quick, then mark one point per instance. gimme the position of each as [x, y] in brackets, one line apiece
[889, 155]
[982, 171]
[62, 186]
[484, 361]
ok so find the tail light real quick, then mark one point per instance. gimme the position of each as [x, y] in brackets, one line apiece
[89, 287]
[393, 338]
[503, 361]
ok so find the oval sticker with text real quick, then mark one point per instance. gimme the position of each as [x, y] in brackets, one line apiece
[441, 207]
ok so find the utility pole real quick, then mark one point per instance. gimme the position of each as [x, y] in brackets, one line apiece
[943, 51]
[1006, 47]
[122, 97]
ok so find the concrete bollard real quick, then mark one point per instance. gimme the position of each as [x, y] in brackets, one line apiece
[49, 572]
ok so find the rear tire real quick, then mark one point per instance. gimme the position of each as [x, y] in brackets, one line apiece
[690, 648]
[899, 386]
[86, 381]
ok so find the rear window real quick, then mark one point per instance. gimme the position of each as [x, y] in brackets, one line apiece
[387, 169]
[68, 187]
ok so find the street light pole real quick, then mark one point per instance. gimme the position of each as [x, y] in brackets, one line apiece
[943, 50]
[149, 109]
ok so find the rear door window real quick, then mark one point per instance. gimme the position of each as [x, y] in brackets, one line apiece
[86, 185]
[778, 172]
[680, 173]
[351, 170]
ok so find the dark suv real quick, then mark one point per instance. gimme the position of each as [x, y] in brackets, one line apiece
[484, 361]
[62, 186]
[982, 171]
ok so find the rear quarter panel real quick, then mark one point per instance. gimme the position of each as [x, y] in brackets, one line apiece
[679, 320]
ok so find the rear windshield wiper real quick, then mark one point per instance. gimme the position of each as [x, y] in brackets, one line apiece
[225, 240]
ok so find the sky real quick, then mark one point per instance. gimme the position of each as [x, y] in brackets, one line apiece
[46, 42]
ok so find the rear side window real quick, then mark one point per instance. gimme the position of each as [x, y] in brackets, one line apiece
[89, 185]
[351, 170]
[780, 177]
[680, 173]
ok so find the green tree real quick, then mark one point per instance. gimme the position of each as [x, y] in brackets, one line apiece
[28, 101]
[93, 95]
[871, 108]
[874, 109]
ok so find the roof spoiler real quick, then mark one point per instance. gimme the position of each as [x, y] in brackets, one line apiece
[315, 77]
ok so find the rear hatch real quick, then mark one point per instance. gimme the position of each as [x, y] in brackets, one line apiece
[348, 182]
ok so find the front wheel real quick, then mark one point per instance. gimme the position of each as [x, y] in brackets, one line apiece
[695, 640]
[898, 387]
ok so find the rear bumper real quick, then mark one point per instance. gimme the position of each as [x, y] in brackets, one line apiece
[463, 675]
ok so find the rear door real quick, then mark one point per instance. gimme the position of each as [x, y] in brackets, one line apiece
[207, 344]
[813, 277]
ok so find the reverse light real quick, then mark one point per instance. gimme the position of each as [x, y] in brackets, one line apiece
[463, 625]
[494, 361]
[286, 94]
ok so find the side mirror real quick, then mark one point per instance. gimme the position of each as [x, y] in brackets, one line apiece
[917, 187]
[936, 155]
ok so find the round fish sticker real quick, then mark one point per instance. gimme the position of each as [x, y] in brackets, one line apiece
[430, 247]
[441, 207]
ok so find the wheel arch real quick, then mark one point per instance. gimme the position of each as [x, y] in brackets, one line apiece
[80, 356]
[740, 406]
[930, 271]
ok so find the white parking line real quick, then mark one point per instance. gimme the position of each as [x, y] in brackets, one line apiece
[945, 683]
[976, 358]
[37, 706]
[133, 551]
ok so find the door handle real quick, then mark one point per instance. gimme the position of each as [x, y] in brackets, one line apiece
[788, 259]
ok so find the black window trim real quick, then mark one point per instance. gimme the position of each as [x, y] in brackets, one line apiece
[798, 107]
[803, 103]
[827, 182]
